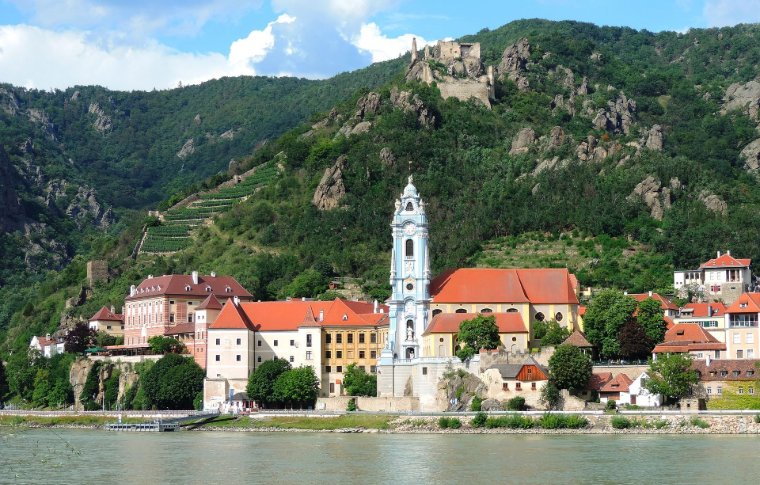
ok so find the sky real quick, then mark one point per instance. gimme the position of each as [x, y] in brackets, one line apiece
[158, 44]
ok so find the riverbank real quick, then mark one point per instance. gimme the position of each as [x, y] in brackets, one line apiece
[453, 424]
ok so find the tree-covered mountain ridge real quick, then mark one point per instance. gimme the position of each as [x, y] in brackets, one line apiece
[618, 151]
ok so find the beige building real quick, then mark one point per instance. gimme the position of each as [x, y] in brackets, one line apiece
[108, 321]
[440, 338]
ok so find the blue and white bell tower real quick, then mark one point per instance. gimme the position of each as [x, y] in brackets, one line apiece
[409, 278]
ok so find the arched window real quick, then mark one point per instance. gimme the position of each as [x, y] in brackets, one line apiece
[486, 310]
[409, 248]
[461, 310]
[540, 317]
[409, 207]
[437, 311]
[558, 316]
[512, 310]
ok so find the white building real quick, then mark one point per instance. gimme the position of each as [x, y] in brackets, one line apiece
[640, 396]
[722, 278]
[47, 346]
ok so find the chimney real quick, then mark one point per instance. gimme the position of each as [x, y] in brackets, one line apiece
[236, 300]
[374, 310]
[321, 315]
[719, 254]
[132, 290]
[650, 294]
[213, 274]
[303, 298]
[47, 336]
[113, 309]
[195, 277]
[625, 292]
[728, 251]
[709, 310]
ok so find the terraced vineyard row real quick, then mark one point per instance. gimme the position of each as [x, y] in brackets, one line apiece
[174, 234]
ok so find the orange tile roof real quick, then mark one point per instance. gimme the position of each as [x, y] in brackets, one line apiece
[746, 368]
[597, 380]
[701, 310]
[232, 318]
[619, 383]
[449, 322]
[210, 303]
[178, 284]
[665, 304]
[686, 337]
[668, 322]
[726, 261]
[746, 303]
[487, 285]
[104, 314]
[577, 339]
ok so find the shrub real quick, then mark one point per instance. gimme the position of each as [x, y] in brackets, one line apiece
[479, 420]
[620, 422]
[660, 423]
[443, 422]
[351, 405]
[611, 405]
[513, 421]
[198, 401]
[699, 423]
[757, 418]
[574, 421]
[562, 421]
[516, 404]
[476, 404]
[446, 422]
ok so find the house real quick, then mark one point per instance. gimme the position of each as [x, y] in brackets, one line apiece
[721, 278]
[440, 338]
[741, 327]
[711, 316]
[525, 378]
[726, 378]
[107, 321]
[47, 346]
[638, 395]
[614, 388]
[205, 314]
[692, 339]
[594, 385]
[578, 339]
[669, 309]
[325, 335]
[166, 305]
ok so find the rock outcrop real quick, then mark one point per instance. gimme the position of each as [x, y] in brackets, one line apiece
[751, 156]
[367, 105]
[514, 63]
[654, 195]
[187, 149]
[654, 138]
[745, 97]
[618, 117]
[102, 121]
[8, 102]
[713, 203]
[411, 103]
[331, 188]
[522, 141]
[387, 157]
[556, 137]
[12, 213]
[85, 209]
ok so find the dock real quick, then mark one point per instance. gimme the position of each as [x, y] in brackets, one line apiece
[174, 424]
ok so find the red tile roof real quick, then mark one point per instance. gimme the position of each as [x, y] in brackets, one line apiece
[702, 310]
[668, 322]
[104, 314]
[182, 285]
[687, 337]
[232, 318]
[747, 369]
[44, 341]
[746, 303]
[210, 303]
[181, 328]
[726, 261]
[665, 304]
[577, 339]
[598, 380]
[485, 285]
[449, 322]
[619, 383]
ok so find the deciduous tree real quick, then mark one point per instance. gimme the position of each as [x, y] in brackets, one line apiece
[356, 382]
[671, 375]
[650, 317]
[605, 315]
[79, 338]
[260, 386]
[479, 333]
[569, 368]
[299, 386]
[173, 382]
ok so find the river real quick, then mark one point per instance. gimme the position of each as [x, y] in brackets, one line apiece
[74, 456]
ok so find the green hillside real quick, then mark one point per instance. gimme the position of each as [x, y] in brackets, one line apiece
[633, 208]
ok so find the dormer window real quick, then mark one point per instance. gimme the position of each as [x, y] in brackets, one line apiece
[345, 317]
[680, 332]
[159, 287]
[409, 207]
[208, 289]
[228, 290]
[187, 287]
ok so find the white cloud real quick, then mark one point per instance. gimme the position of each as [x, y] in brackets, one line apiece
[720, 13]
[255, 47]
[41, 58]
[372, 40]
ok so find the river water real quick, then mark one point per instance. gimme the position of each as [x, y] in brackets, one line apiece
[73, 456]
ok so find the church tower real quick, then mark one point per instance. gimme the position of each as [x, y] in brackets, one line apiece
[409, 278]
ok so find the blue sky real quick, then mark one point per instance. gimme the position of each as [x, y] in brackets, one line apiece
[146, 44]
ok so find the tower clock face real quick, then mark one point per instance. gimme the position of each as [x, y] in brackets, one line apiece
[409, 228]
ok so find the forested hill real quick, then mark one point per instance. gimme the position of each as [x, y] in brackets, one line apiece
[619, 153]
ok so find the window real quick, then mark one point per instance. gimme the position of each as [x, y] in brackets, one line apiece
[461, 310]
[409, 286]
[332, 387]
[737, 338]
[171, 318]
[361, 338]
[512, 310]
[514, 339]
[518, 386]
[750, 339]
[750, 390]
[723, 373]
[486, 310]
[258, 344]
[409, 248]
[709, 391]
[559, 316]
[338, 354]
[338, 368]
[739, 354]
[328, 368]
[218, 341]
[308, 340]
[409, 207]
[258, 359]
[217, 357]
[308, 355]
[292, 343]
[741, 390]
[171, 302]
[350, 338]
[736, 373]
[361, 354]
[750, 373]
[720, 390]
[440, 339]
[373, 354]
[275, 343]
[437, 311]
[238, 341]
[339, 338]
[424, 371]
[237, 358]
[328, 338]
[373, 369]
[292, 359]
[189, 318]
[540, 317]
[505, 386]
[328, 354]
[750, 353]
[373, 338]
[532, 386]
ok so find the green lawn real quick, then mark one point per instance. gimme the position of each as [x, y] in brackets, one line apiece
[307, 423]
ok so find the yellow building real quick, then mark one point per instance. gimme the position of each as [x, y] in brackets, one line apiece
[440, 338]
[108, 321]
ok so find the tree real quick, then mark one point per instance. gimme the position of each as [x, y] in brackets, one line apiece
[607, 312]
[356, 382]
[21, 370]
[173, 382]
[569, 368]
[165, 345]
[634, 342]
[3, 384]
[671, 375]
[260, 386]
[650, 318]
[79, 338]
[479, 333]
[554, 334]
[299, 386]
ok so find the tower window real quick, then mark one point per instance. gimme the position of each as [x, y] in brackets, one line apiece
[409, 286]
[409, 248]
[409, 207]
[437, 311]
